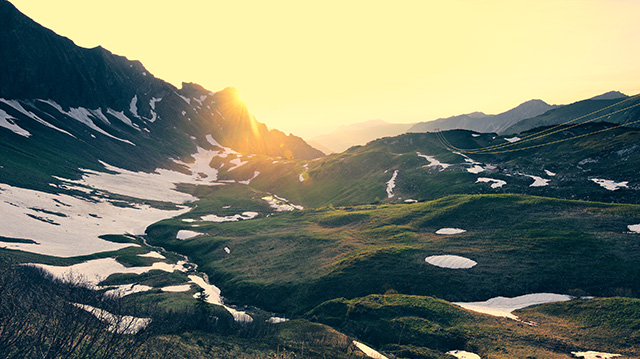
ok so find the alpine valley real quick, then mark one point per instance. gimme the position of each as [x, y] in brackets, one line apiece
[141, 220]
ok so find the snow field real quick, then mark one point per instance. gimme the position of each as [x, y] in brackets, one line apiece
[502, 306]
[57, 222]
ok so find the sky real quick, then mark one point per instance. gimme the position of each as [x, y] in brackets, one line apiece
[307, 67]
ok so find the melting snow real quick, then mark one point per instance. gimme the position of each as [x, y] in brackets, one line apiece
[460, 354]
[8, 122]
[451, 261]
[594, 355]
[502, 306]
[122, 117]
[475, 169]
[237, 162]
[513, 139]
[634, 228]
[133, 106]
[81, 115]
[433, 162]
[234, 218]
[280, 204]
[609, 184]
[176, 288]
[24, 216]
[121, 324]
[187, 234]
[391, 184]
[495, 183]
[248, 182]
[17, 106]
[126, 289]
[97, 270]
[276, 320]
[450, 231]
[371, 353]
[152, 255]
[538, 181]
[214, 297]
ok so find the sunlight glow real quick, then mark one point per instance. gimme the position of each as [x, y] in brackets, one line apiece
[307, 67]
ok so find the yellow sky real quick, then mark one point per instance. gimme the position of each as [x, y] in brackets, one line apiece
[307, 67]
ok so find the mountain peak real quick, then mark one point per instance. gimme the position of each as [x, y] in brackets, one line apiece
[611, 95]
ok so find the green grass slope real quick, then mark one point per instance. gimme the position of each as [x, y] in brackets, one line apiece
[293, 261]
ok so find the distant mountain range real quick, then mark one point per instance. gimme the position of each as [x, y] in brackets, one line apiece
[357, 134]
[524, 117]
[481, 122]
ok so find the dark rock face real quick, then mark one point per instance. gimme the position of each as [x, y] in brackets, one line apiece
[161, 121]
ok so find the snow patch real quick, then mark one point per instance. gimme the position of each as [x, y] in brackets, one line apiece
[410, 200]
[121, 324]
[176, 288]
[276, 320]
[82, 115]
[122, 117]
[391, 184]
[475, 135]
[227, 250]
[451, 261]
[126, 289]
[609, 184]
[187, 234]
[538, 181]
[450, 231]
[635, 228]
[214, 297]
[8, 122]
[549, 173]
[248, 182]
[502, 306]
[280, 204]
[433, 162]
[461, 354]
[495, 183]
[370, 352]
[234, 218]
[594, 355]
[17, 106]
[133, 106]
[513, 139]
[152, 255]
[475, 169]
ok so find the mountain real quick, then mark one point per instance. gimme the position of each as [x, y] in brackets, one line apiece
[611, 95]
[69, 107]
[478, 121]
[358, 134]
[172, 214]
[613, 107]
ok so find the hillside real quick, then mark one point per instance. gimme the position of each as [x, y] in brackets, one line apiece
[610, 107]
[140, 220]
[73, 107]
[481, 122]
